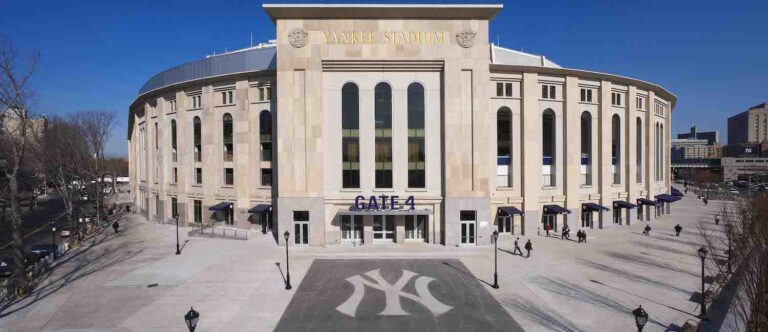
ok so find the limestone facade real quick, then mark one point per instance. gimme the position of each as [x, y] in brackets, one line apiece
[467, 83]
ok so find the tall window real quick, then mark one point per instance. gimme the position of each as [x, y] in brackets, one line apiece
[616, 148]
[504, 147]
[174, 207]
[174, 154]
[265, 137]
[350, 136]
[227, 136]
[639, 151]
[586, 148]
[656, 151]
[548, 148]
[196, 128]
[416, 156]
[229, 176]
[548, 92]
[383, 118]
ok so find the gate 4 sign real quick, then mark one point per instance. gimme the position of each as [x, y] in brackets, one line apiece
[384, 202]
[392, 294]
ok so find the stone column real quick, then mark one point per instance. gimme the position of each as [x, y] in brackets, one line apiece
[630, 125]
[572, 155]
[399, 229]
[605, 178]
[367, 229]
[531, 154]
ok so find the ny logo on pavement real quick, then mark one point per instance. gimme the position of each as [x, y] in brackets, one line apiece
[392, 294]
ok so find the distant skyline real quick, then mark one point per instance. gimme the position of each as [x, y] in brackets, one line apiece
[97, 54]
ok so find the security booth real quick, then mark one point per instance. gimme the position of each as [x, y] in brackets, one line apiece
[644, 208]
[505, 219]
[262, 213]
[222, 212]
[617, 211]
[587, 210]
[549, 217]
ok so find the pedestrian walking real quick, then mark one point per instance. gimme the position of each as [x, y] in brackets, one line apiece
[706, 200]
[717, 219]
[528, 248]
[566, 233]
[584, 235]
[647, 230]
[678, 229]
[546, 228]
[116, 226]
[578, 235]
[517, 248]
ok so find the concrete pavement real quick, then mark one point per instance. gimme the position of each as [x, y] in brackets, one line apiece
[237, 285]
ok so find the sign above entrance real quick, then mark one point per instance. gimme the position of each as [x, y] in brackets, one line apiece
[385, 37]
[384, 202]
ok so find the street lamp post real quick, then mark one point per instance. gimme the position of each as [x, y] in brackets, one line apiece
[53, 237]
[641, 317]
[703, 254]
[730, 248]
[286, 235]
[495, 259]
[178, 250]
[191, 319]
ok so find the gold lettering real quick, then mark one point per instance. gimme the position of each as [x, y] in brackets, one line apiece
[387, 37]
[325, 37]
[440, 38]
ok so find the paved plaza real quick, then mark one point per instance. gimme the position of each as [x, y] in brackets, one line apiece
[133, 281]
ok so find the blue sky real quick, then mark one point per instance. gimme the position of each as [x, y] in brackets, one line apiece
[96, 54]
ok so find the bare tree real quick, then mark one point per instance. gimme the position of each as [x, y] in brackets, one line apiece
[18, 128]
[65, 155]
[96, 127]
[741, 240]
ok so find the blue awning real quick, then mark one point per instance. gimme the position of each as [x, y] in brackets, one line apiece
[676, 192]
[555, 209]
[592, 207]
[623, 205]
[220, 206]
[664, 198]
[510, 211]
[645, 201]
[260, 209]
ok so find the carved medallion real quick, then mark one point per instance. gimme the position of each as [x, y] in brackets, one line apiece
[298, 37]
[466, 38]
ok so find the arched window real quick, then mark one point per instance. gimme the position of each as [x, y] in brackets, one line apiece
[504, 147]
[350, 136]
[616, 148]
[548, 147]
[416, 146]
[639, 150]
[586, 148]
[265, 140]
[197, 130]
[383, 126]
[226, 120]
[174, 154]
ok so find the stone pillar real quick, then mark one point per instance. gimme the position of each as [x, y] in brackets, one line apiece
[367, 229]
[605, 178]
[399, 229]
[531, 154]
[572, 155]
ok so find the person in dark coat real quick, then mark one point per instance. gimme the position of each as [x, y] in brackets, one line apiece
[116, 226]
[717, 219]
[678, 229]
[584, 235]
[647, 230]
[546, 228]
[578, 235]
[566, 233]
[528, 247]
[517, 248]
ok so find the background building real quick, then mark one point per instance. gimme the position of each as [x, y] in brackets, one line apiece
[712, 137]
[750, 126]
[395, 123]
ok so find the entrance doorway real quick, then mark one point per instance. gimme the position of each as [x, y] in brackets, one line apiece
[415, 227]
[301, 227]
[586, 219]
[551, 220]
[384, 228]
[505, 224]
[467, 220]
[351, 228]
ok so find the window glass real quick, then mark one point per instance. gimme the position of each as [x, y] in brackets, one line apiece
[350, 141]
[383, 126]
[416, 155]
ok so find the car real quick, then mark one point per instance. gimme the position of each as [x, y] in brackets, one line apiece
[733, 192]
[6, 267]
[65, 233]
[38, 252]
